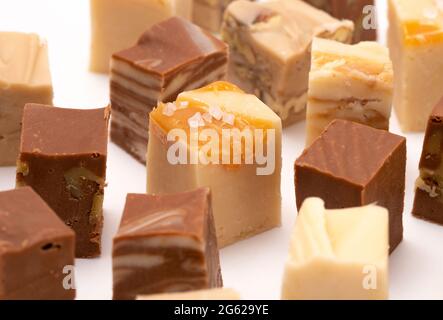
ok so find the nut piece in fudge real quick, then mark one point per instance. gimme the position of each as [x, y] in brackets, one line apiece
[171, 57]
[270, 50]
[117, 24]
[350, 82]
[63, 158]
[166, 243]
[210, 294]
[428, 203]
[36, 248]
[338, 254]
[220, 137]
[415, 41]
[353, 165]
[24, 78]
[361, 12]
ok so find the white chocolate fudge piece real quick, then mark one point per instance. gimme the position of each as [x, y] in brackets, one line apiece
[338, 254]
[208, 14]
[349, 82]
[197, 141]
[211, 294]
[270, 50]
[24, 78]
[415, 41]
[117, 24]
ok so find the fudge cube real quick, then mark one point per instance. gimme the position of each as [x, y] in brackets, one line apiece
[24, 78]
[338, 254]
[361, 12]
[35, 248]
[166, 243]
[116, 24]
[220, 137]
[270, 50]
[428, 202]
[210, 294]
[63, 158]
[415, 41]
[171, 57]
[352, 165]
[350, 82]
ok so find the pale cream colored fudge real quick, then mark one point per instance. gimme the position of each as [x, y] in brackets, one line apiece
[211, 294]
[415, 41]
[338, 254]
[208, 14]
[270, 50]
[117, 24]
[245, 186]
[24, 78]
[349, 82]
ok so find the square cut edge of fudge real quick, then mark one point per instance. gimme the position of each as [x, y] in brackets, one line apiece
[352, 165]
[171, 57]
[270, 50]
[350, 82]
[63, 156]
[166, 243]
[31, 234]
[338, 254]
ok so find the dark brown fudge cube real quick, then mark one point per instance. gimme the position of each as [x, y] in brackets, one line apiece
[353, 165]
[35, 248]
[63, 158]
[166, 243]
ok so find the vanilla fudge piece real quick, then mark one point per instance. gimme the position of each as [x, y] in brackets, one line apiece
[415, 41]
[352, 165]
[166, 243]
[270, 50]
[350, 82]
[172, 56]
[62, 157]
[220, 137]
[211, 294]
[338, 254]
[117, 24]
[35, 249]
[24, 78]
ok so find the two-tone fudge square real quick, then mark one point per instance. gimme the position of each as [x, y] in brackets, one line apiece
[350, 82]
[171, 57]
[270, 46]
[208, 294]
[63, 158]
[24, 78]
[166, 243]
[36, 248]
[352, 165]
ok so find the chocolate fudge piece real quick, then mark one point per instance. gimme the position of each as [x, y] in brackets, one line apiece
[270, 45]
[63, 158]
[166, 243]
[352, 165]
[24, 78]
[35, 248]
[171, 57]
[428, 203]
[354, 10]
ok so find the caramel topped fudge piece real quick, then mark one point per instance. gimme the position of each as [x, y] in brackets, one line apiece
[428, 203]
[63, 158]
[220, 137]
[352, 165]
[211, 294]
[416, 45]
[24, 78]
[35, 248]
[338, 254]
[166, 243]
[171, 57]
[351, 82]
[270, 50]
[117, 24]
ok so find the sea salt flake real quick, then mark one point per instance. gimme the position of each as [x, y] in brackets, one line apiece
[169, 109]
[228, 118]
[184, 104]
[196, 121]
[215, 112]
[207, 117]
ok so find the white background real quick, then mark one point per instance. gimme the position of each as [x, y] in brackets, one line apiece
[255, 266]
